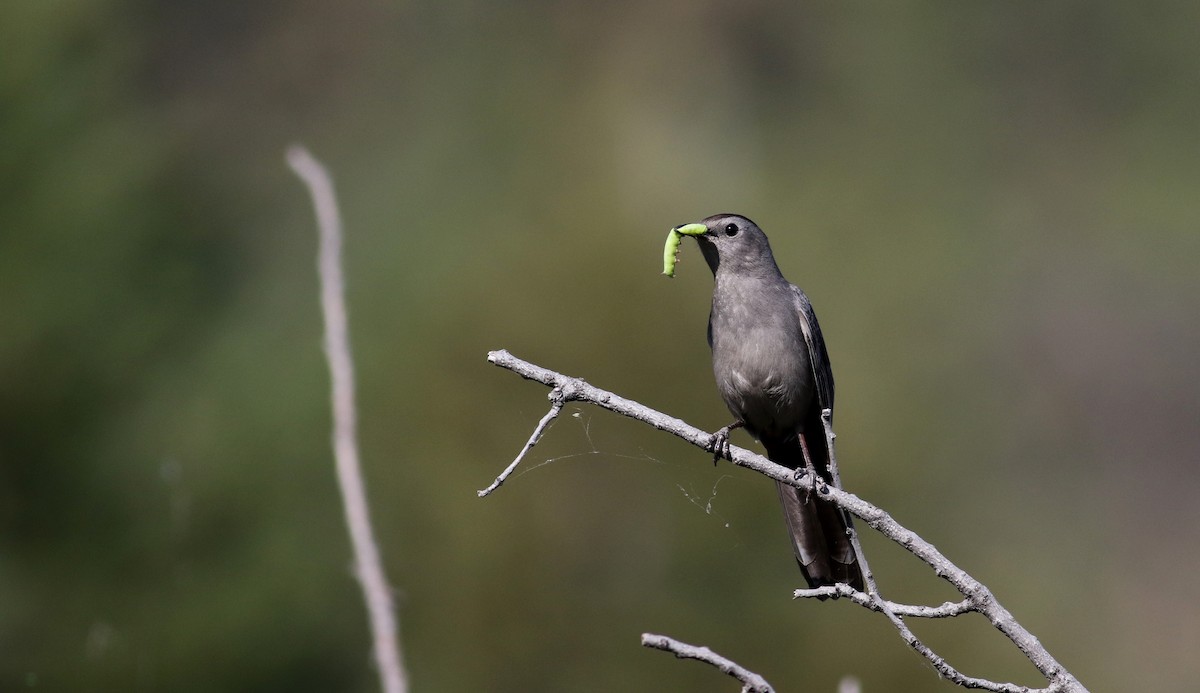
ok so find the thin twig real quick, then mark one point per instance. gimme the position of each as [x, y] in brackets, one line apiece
[844, 591]
[851, 532]
[978, 596]
[556, 405]
[751, 682]
[368, 567]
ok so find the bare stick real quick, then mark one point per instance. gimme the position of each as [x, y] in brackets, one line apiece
[751, 682]
[368, 567]
[977, 596]
[556, 405]
[851, 532]
[863, 599]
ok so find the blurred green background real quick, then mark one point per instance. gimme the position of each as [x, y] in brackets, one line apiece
[993, 206]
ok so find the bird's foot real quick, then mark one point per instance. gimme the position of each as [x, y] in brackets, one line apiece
[718, 444]
[819, 484]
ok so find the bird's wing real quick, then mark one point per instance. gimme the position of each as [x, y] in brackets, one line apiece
[822, 372]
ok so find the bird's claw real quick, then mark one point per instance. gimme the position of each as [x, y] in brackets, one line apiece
[718, 444]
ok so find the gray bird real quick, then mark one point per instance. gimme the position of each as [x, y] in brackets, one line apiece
[773, 372]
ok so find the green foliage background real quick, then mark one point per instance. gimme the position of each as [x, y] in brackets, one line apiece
[992, 205]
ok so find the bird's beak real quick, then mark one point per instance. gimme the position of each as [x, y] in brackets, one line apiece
[692, 229]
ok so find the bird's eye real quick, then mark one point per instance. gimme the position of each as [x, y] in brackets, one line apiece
[731, 229]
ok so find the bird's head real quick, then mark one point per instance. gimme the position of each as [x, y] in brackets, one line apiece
[731, 243]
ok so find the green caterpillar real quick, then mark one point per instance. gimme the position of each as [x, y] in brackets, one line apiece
[671, 250]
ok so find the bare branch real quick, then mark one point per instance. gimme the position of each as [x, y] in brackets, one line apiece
[556, 405]
[841, 590]
[751, 682]
[368, 567]
[977, 597]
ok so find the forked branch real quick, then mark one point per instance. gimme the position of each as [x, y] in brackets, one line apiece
[977, 597]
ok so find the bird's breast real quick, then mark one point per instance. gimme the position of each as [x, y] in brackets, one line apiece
[765, 379]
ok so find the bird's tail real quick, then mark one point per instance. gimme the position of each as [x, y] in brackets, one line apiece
[818, 527]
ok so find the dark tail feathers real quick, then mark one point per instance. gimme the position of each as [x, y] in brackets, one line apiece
[818, 528]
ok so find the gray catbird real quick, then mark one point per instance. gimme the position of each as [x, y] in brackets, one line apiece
[773, 372]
